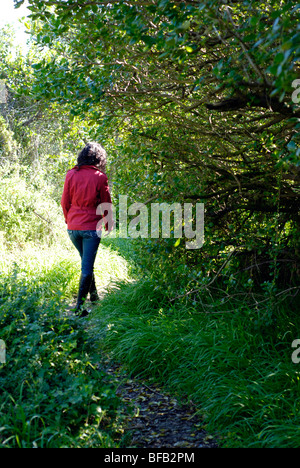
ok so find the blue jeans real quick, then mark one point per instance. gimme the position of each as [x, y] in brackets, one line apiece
[87, 244]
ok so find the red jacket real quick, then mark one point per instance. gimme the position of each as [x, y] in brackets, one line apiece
[84, 190]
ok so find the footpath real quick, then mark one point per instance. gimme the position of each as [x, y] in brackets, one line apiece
[157, 420]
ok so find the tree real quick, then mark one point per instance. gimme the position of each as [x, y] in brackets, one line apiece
[34, 133]
[199, 90]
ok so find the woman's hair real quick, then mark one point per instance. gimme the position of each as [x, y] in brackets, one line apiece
[93, 155]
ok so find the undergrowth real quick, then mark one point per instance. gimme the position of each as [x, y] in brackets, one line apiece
[231, 359]
[52, 393]
[162, 319]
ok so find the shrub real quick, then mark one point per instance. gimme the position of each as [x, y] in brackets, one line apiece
[53, 394]
[28, 213]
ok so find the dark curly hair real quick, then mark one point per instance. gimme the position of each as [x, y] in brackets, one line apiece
[93, 154]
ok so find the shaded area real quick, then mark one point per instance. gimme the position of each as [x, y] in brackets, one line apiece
[51, 393]
[231, 360]
[158, 420]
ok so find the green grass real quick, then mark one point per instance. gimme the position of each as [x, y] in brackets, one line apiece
[236, 367]
[52, 393]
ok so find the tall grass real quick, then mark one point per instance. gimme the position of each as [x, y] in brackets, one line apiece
[52, 394]
[236, 367]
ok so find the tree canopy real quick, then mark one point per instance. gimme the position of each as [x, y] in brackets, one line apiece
[198, 100]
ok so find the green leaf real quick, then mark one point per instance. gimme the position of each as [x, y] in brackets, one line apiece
[189, 49]
[177, 243]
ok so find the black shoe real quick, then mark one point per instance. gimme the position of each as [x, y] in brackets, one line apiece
[82, 314]
[93, 291]
[84, 287]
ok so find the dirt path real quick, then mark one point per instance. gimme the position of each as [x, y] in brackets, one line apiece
[155, 419]
[158, 420]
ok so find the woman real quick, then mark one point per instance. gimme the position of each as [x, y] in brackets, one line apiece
[86, 186]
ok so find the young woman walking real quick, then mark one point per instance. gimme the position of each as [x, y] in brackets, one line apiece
[86, 187]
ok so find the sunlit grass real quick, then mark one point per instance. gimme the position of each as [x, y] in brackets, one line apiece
[57, 267]
[51, 391]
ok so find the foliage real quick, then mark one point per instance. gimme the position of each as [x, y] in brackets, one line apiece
[196, 100]
[228, 358]
[53, 393]
[7, 143]
[35, 134]
[28, 212]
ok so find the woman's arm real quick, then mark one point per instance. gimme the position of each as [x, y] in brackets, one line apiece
[106, 202]
[66, 200]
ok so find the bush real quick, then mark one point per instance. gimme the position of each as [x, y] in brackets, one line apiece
[231, 360]
[27, 212]
[53, 394]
